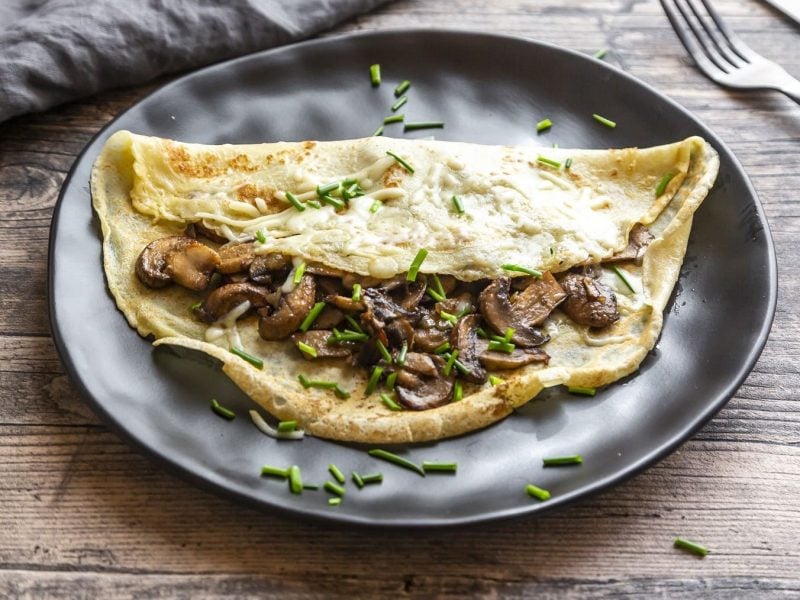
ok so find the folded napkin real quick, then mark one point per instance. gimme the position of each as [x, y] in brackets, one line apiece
[52, 51]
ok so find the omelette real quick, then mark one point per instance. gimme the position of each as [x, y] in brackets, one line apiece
[387, 290]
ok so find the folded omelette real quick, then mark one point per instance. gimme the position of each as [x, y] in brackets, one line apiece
[388, 290]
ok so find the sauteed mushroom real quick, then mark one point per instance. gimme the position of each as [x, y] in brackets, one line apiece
[464, 338]
[500, 315]
[265, 266]
[227, 297]
[234, 258]
[178, 258]
[421, 383]
[292, 309]
[500, 361]
[318, 340]
[638, 240]
[589, 302]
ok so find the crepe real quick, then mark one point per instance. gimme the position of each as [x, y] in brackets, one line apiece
[522, 206]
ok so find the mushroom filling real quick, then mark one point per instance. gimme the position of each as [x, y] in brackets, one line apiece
[424, 335]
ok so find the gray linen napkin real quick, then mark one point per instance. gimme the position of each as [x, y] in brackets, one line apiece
[52, 51]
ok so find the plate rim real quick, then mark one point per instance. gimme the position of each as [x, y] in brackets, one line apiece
[710, 408]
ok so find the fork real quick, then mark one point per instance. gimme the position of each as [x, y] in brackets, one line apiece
[721, 54]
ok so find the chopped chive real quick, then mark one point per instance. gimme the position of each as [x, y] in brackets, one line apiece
[310, 486]
[401, 356]
[352, 336]
[509, 334]
[451, 360]
[537, 492]
[413, 270]
[375, 74]
[373, 380]
[451, 318]
[314, 204]
[601, 119]
[356, 297]
[400, 102]
[402, 88]
[403, 163]
[340, 393]
[543, 125]
[557, 461]
[334, 501]
[435, 295]
[306, 349]
[253, 360]
[482, 333]
[568, 163]
[398, 460]
[334, 488]
[458, 204]
[304, 381]
[353, 323]
[384, 352]
[440, 467]
[372, 478]
[378, 131]
[295, 480]
[223, 412]
[442, 348]
[390, 402]
[196, 305]
[600, 54]
[461, 367]
[357, 480]
[261, 236]
[548, 161]
[312, 316]
[624, 279]
[458, 391]
[495, 380]
[286, 426]
[581, 390]
[690, 546]
[423, 125]
[337, 474]
[438, 284]
[520, 269]
[398, 118]
[271, 471]
[662, 185]
[295, 202]
[390, 380]
[323, 385]
[298, 272]
[375, 206]
[334, 202]
[501, 346]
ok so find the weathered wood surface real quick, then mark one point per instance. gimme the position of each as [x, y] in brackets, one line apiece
[82, 514]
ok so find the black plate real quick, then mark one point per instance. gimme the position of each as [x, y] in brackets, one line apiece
[486, 88]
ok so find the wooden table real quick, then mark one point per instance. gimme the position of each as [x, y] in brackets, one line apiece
[83, 514]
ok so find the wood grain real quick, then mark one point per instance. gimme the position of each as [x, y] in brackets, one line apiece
[83, 514]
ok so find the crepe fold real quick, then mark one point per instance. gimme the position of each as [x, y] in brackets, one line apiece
[520, 208]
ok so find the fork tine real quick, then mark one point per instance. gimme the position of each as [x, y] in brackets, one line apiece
[702, 49]
[738, 46]
[721, 50]
[689, 42]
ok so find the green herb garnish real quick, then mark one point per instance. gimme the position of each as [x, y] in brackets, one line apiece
[356, 297]
[495, 380]
[581, 390]
[430, 466]
[337, 474]
[390, 380]
[543, 125]
[458, 204]
[399, 103]
[295, 480]
[372, 478]
[601, 119]
[373, 380]
[375, 75]
[261, 236]
[403, 163]
[557, 461]
[413, 126]
[662, 185]
[548, 161]
[416, 264]
[444, 347]
[451, 360]
[390, 403]
[458, 391]
[223, 412]
[270, 471]
[287, 426]
[334, 488]
[537, 492]
[568, 163]
[600, 54]
[294, 201]
[622, 276]
[312, 316]
[398, 460]
[402, 88]
[384, 352]
[376, 133]
[690, 546]
[298, 273]
[357, 480]
[501, 346]
[393, 119]
[253, 360]
[520, 269]
[306, 349]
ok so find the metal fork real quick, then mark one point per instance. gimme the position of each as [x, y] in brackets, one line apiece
[721, 54]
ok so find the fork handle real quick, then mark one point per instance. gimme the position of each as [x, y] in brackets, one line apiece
[792, 89]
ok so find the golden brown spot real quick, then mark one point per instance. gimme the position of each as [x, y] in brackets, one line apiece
[241, 162]
[249, 192]
[202, 165]
[393, 176]
[309, 145]
[613, 173]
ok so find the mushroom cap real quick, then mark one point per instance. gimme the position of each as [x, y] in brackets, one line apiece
[421, 384]
[292, 309]
[589, 302]
[464, 338]
[499, 313]
[177, 258]
[227, 297]
[235, 258]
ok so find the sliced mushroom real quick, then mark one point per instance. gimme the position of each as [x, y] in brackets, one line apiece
[266, 267]
[500, 361]
[461, 304]
[324, 270]
[329, 318]
[400, 332]
[364, 281]
[345, 303]
[227, 297]
[464, 338]
[178, 258]
[421, 383]
[429, 339]
[413, 295]
[589, 302]
[538, 299]
[235, 258]
[198, 228]
[498, 312]
[380, 311]
[639, 239]
[292, 309]
[318, 340]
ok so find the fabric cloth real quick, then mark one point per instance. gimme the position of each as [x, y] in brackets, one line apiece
[52, 51]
